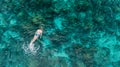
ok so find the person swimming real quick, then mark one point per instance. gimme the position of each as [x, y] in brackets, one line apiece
[38, 33]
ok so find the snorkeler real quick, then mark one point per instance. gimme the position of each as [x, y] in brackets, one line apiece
[38, 33]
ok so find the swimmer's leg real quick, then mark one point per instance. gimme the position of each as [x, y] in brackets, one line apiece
[31, 45]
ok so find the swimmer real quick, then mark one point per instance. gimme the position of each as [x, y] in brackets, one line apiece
[38, 33]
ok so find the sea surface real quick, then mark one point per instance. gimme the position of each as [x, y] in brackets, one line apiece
[76, 33]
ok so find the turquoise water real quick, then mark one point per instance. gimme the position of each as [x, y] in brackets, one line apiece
[76, 33]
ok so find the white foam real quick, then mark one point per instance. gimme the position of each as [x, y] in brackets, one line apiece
[30, 49]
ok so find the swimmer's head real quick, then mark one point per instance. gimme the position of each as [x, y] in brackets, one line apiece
[41, 27]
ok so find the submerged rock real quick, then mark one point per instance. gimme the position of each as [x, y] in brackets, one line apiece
[58, 23]
[2, 21]
[13, 22]
[8, 35]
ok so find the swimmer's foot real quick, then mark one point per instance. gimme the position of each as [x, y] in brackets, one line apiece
[31, 47]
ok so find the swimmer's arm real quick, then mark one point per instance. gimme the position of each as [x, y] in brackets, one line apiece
[40, 34]
[36, 32]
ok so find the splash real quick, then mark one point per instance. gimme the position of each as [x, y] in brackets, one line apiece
[30, 50]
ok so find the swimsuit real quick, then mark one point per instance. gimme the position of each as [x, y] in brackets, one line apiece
[37, 34]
